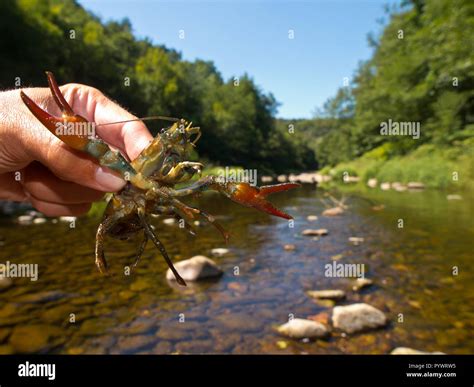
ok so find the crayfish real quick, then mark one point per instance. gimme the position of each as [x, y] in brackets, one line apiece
[151, 180]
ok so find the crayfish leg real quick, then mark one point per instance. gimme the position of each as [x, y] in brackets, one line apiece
[150, 233]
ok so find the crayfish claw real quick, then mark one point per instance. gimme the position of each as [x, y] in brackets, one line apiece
[249, 196]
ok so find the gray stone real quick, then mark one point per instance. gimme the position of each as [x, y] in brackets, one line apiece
[298, 328]
[195, 268]
[411, 351]
[317, 232]
[330, 294]
[357, 317]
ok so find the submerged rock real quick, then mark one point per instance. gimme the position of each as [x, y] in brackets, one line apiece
[317, 232]
[134, 343]
[331, 294]
[219, 252]
[33, 338]
[411, 351]
[195, 268]
[335, 211]
[356, 240]
[357, 317]
[5, 283]
[299, 328]
[361, 283]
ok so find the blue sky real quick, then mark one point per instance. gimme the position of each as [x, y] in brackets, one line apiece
[243, 36]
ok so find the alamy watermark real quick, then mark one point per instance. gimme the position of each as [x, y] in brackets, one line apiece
[19, 270]
[81, 129]
[395, 128]
[237, 175]
[344, 270]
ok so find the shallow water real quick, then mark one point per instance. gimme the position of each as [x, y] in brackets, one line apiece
[429, 308]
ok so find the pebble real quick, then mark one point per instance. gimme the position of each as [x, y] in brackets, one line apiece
[317, 232]
[282, 178]
[311, 218]
[195, 268]
[357, 317]
[39, 221]
[298, 328]
[219, 252]
[331, 294]
[385, 186]
[289, 247]
[335, 211]
[169, 221]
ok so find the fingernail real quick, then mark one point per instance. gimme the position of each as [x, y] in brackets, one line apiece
[108, 180]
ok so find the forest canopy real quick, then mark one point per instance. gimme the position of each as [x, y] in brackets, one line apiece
[426, 76]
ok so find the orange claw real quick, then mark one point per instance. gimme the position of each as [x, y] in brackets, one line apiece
[249, 196]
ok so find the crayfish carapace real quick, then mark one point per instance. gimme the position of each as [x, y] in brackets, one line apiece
[151, 177]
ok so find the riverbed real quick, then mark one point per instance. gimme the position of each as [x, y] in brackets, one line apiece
[423, 277]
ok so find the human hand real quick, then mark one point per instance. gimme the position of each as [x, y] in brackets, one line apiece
[36, 166]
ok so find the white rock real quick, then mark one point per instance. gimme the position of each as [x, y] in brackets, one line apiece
[416, 185]
[361, 283]
[372, 183]
[298, 328]
[267, 179]
[318, 232]
[330, 294]
[39, 221]
[356, 240]
[411, 351]
[385, 186]
[67, 219]
[289, 247]
[454, 197]
[311, 218]
[357, 317]
[219, 252]
[25, 219]
[335, 211]
[282, 178]
[195, 268]
[351, 179]
[169, 221]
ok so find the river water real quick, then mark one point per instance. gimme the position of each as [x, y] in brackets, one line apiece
[72, 309]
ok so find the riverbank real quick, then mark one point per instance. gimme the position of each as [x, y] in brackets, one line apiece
[447, 168]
